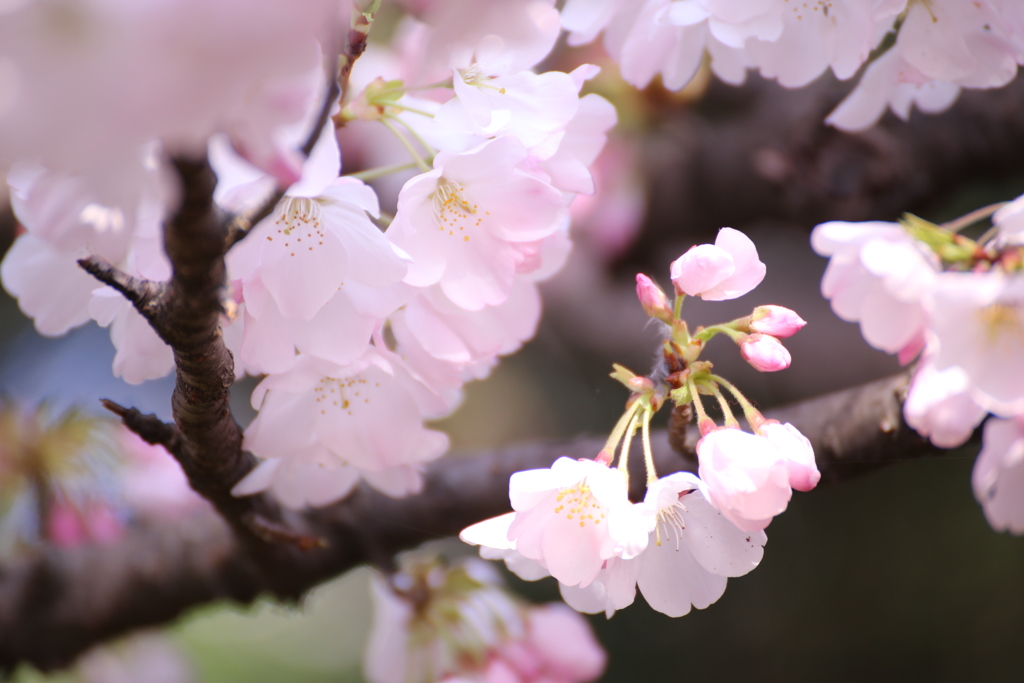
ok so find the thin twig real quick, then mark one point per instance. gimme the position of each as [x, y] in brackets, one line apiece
[146, 295]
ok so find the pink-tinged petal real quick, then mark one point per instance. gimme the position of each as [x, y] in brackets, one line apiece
[716, 543]
[672, 580]
[700, 269]
[778, 321]
[748, 272]
[397, 482]
[765, 353]
[998, 477]
[259, 478]
[337, 332]
[49, 285]
[564, 643]
[589, 599]
[492, 533]
[939, 405]
[798, 452]
[322, 167]
[746, 477]
[305, 274]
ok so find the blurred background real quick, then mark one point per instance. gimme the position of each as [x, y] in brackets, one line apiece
[891, 575]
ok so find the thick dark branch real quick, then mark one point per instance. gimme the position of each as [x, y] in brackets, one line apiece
[764, 152]
[55, 605]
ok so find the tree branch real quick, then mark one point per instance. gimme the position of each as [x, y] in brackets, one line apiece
[147, 296]
[57, 604]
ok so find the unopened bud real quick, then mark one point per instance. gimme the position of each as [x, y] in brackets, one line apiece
[653, 299]
[778, 321]
[765, 353]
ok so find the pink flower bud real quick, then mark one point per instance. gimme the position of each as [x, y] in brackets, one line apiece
[778, 321]
[727, 269]
[746, 477]
[653, 299]
[765, 353]
[798, 452]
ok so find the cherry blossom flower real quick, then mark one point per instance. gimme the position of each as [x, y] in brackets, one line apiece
[202, 62]
[978, 322]
[691, 550]
[514, 33]
[461, 222]
[747, 476]
[998, 477]
[1010, 221]
[727, 269]
[939, 405]
[878, 276]
[526, 105]
[365, 415]
[571, 518]
[433, 623]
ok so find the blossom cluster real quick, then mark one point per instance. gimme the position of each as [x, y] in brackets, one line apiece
[365, 324]
[955, 304]
[574, 520]
[917, 53]
[456, 624]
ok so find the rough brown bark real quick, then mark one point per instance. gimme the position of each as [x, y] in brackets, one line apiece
[55, 605]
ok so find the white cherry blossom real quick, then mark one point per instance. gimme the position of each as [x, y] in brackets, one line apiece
[366, 415]
[877, 276]
[571, 518]
[691, 551]
[461, 222]
[998, 477]
[939, 404]
[978, 322]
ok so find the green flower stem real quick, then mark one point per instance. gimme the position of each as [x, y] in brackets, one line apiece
[381, 171]
[620, 428]
[967, 220]
[426, 145]
[752, 414]
[709, 332]
[628, 436]
[652, 475]
[408, 147]
[697, 403]
[730, 419]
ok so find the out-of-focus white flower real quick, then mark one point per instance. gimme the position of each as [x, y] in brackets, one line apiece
[434, 623]
[878, 276]
[939, 404]
[978, 322]
[998, 477]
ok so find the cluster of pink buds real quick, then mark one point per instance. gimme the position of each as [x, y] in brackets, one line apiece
[574, 520]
